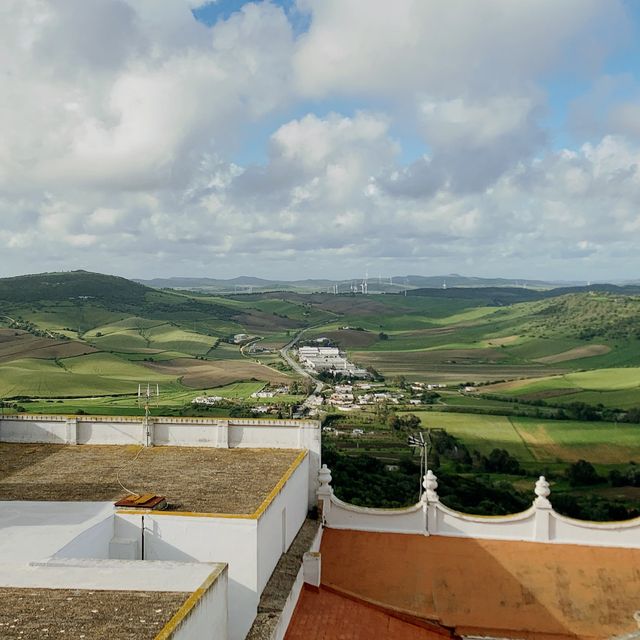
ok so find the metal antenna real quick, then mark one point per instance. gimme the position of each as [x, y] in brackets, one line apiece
[145, 397]
[417, 441]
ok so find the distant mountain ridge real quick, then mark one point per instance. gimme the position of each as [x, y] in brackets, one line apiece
[378, 284]
[84, 284]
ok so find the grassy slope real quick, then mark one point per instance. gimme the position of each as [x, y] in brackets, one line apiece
[619, 387]
[93, 374]
[453, 336]
[538, 442]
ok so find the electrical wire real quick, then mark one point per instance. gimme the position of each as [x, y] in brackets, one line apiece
[126, 464]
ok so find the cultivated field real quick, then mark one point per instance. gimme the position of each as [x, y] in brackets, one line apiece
[201, 374]
[430, 366]
[611, 387]
[20, 344]
[542, 441]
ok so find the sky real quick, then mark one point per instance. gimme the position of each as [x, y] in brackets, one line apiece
[321, 138]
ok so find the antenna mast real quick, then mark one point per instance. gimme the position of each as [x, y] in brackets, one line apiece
[145, 398]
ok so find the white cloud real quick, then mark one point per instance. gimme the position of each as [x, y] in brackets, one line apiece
[119, 125]
[443, 48]
[96, 102]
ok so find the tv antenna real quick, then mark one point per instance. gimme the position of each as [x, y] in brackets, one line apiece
[417, 441]
[145, 398]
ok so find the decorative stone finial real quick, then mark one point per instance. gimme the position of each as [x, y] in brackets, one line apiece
[636, 617]
[543, 492]
[430, 484]
[324, 476]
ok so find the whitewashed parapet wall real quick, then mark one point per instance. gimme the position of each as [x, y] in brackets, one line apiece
[539, 523]
[170, 431]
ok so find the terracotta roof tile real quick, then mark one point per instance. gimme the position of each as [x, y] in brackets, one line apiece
[326, 615]
[497, 588]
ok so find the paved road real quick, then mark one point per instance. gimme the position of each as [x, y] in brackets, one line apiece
[284, 352]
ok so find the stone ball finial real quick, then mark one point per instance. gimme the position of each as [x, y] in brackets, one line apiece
[430, 484]
[324, 477]
[542, 492]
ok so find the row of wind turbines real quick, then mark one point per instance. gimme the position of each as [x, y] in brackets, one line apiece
[363, 286]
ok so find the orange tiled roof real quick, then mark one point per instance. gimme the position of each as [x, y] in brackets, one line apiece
[326, 615]
[497, 588]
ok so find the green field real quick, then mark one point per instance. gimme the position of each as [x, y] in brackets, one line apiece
[171, 397]
[618, 388]
[94, 374]
[546, 442]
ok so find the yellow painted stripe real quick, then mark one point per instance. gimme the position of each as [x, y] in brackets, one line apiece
[276, 490]
[178, 618]
[188, 514]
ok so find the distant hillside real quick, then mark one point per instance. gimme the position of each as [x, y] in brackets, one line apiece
[586, 316]
[69, 285]
[499, 296]
[96, 290]
[241, 284]
[485, 296]
[376, 284]
[456, 280]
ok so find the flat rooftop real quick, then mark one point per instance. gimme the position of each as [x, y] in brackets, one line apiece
[35, 614]
[196, 479]
[97, 599]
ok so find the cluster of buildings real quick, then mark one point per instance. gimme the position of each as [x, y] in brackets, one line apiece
[207, 400]
[344, 398]
[420, 387]
[88, 549]
[270, 392]
[329, 359]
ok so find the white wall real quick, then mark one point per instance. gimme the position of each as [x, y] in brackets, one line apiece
[193, 434]
[35, 530]
[208, 618]
[294, 595]
[107, 432]
[205, 539]
[341, 515]
[33, 430]
[287, 511]
[91, 543]
[109, 575]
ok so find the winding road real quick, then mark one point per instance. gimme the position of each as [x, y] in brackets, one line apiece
[284, 352]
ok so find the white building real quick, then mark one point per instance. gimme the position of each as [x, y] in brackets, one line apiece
[238, 490]
[207, 400]
[330, 359]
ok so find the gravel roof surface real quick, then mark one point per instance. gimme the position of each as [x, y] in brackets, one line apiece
[37, 614]
[197, 479]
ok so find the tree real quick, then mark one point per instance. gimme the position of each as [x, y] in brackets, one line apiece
[409, 422]
[582, 473]
[401, 382]
[500, 461]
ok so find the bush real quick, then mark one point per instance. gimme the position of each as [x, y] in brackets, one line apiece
[582, 473]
